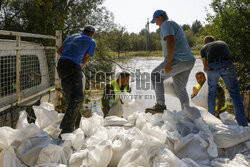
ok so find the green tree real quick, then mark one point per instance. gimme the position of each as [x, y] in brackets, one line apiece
[119, 40]
[195, 26]
[46, 16]
[230, 23]
[185, 27]
[190, 37]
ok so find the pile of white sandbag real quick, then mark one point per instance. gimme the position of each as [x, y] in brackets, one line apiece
[189, 138]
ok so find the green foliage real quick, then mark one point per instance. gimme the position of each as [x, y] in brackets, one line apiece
[231, 24]
[196, 26]
[185, 27]
[190, 37]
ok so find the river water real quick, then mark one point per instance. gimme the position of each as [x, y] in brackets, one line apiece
[142, 96]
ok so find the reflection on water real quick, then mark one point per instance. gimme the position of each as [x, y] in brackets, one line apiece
[140, 83]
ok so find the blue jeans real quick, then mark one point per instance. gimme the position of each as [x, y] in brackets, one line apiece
[180, 73]
[225, 69]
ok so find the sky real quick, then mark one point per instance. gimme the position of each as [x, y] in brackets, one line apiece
[133, 14]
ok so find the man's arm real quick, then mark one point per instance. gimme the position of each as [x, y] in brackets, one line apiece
[204, 60]
[59, 51]
[170, 49]
[85, 60]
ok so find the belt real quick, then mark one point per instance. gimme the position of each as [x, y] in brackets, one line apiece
[219, 60]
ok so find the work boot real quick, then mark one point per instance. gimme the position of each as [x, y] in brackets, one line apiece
[157, 108]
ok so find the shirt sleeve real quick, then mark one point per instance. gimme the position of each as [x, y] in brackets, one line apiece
[167, 28]
[67, 40]
[203, 52]
[91, 50]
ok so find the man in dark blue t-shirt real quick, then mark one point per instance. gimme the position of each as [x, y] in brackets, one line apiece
[75, 51]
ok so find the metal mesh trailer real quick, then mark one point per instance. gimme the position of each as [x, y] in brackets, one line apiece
[27, 73]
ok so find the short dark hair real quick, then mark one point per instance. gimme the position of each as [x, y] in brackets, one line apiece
[200, 73]
[124, 74]
[165, 16]
[208, 39]
[88, 29]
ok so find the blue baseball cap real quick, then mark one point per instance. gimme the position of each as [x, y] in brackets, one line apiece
[157, 13]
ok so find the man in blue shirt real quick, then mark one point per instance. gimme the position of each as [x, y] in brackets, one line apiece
[178, 63]
[75, 52]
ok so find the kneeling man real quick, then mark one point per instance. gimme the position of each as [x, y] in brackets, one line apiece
[111, 103]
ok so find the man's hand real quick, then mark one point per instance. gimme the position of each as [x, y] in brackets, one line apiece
[168, 68]
[59, 51]
[195, 90]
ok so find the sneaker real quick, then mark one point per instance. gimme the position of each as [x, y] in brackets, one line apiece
[157, 108]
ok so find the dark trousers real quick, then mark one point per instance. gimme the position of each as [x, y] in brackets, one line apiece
[71, 82]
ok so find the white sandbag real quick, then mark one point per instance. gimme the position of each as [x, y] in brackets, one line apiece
[47, 106]
[201, 98]
[208, 118]
[192, 112]
[51, 165]
[165, 158]
[169, 87]
[45, 115]
[76, 138]
[116, 110]
[54, 130]
[227, 118]
[230, 135]
[77, 158]
[31, 131]
[189, 162]
[141, 118]
[191, 147]
[99, 155]
[240, 160]
[154, 132]
[121, 143]
[130, 158]
[22, 120]
[90, 125]
[141, 154]
[231, 152]
[189, 122]
[55, 154]
[29, 150]
[114, 121]
[8, 135]
[207, 135]
[100, 135]
[8, 157]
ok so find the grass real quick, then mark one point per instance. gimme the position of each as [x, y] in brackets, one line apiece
[158, 53]
[136, 54]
